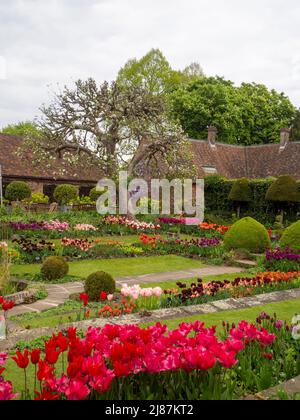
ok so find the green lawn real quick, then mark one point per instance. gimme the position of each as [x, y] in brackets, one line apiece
[119, 267]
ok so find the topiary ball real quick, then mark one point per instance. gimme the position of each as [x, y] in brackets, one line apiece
[54, 268]
[99, 282]
[17, 191]
[248, 234]
[291, 237]
[65, 194]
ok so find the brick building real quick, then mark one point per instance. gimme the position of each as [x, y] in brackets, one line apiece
[20, 168]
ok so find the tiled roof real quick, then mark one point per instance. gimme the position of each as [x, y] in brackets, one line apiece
[258, 161]
[15, 166]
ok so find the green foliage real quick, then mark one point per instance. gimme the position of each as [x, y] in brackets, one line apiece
[295, 133]
[247, 234]
[94, 194]
[217, 190]
[154, 74]
[99, 282]
[22, 129]
[39, 199]
[17, 191]
[246, 114]
[291, 237]
[284, 190]
[54, 268]
[240, 191]
[65, 194]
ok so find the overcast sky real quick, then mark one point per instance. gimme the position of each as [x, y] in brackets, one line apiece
[48, 42]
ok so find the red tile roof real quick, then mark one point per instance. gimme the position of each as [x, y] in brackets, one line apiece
[14, 166]
[258, 161]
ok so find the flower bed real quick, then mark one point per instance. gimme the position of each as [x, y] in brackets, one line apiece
[133, 225]
[32, 250]
[52, 225]
[202, 247]
[198, 293]
[282, 259]
[131, 363]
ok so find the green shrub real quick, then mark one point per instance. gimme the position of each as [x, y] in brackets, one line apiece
[240, 191]
[94, 194]
[65, 194]
[284, 190]
[39, 199]
[291, 237]
[54, 268]
[99, 282]
[17, 191]
[247, 234]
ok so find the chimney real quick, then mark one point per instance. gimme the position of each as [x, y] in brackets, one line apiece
[212, 136]
[284, 138]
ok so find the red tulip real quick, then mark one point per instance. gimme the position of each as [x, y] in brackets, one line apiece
[103, 296]
[44, 371]
[51, 354]
[35, 356]
[7, 305]
[84, 297]
[1, 300]
[22, 360]
[45, 396]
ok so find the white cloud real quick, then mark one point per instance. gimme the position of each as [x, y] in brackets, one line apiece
[57, 41]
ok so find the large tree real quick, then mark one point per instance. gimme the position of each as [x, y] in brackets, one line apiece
[21, 129]
[248, 114]
[295, 135]
[154, 73]
[105, 125]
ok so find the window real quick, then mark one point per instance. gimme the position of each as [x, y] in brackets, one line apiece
[209, 170]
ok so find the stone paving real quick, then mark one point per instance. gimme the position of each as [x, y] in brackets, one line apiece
[60, 293]
[159, 315]
[291, 388]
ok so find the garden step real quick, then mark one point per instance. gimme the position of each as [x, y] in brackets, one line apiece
[246, 263]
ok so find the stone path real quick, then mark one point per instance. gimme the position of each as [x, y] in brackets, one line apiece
[291, 388]
[60, 293]
[178, 275]
[159, 315]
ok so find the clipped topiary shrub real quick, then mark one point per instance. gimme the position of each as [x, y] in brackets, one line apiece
[283, 192]
[99, 282]
[65, 194]
[54, 268]
[17, 191]
[248, 234]
[240, 193]
[291, 237]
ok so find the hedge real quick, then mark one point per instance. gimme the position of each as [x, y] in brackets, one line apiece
[217, 190]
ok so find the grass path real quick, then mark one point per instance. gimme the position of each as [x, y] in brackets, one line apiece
[118, 267]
